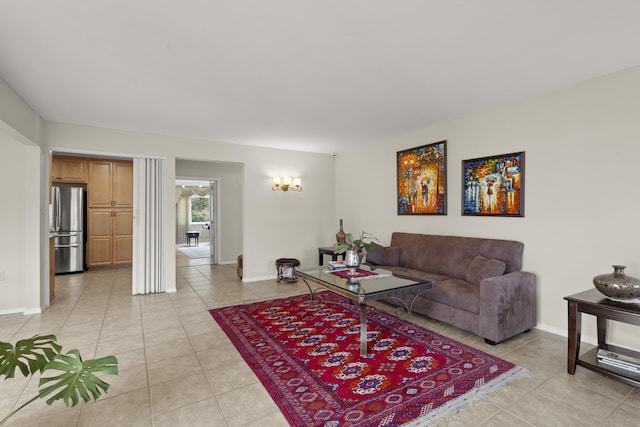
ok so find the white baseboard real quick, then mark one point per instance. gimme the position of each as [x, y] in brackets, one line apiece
[564, 333]
[12, 311]
[21, 310]
[257, 279]
[36, 310]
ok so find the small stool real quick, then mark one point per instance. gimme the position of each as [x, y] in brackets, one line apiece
[192, 235]
[285, 268]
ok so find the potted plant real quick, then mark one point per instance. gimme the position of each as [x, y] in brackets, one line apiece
[71, 379]
[355, 250]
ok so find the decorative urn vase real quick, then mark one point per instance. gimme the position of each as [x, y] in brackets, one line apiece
[341, 236]
[618, 286]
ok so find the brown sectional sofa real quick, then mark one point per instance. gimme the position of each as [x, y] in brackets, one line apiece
[478, 283]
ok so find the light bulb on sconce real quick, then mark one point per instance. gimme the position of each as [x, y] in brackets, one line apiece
[284, 184]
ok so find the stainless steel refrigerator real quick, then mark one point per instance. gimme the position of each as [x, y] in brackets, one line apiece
[67, 220]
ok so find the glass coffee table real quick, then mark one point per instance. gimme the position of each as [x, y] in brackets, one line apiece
[368, 285]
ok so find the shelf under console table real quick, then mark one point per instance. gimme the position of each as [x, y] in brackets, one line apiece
[594, 303]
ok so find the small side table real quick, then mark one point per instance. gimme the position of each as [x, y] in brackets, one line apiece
[594, 303]
[193, 235]
[327, 250]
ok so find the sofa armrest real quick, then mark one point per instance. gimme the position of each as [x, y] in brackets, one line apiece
[507, 305]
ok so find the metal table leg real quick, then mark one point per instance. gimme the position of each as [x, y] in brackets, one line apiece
[363, 329]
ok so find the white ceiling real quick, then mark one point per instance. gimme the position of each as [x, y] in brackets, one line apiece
[311, 75]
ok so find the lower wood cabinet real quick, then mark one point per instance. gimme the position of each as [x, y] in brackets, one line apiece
[110, 239]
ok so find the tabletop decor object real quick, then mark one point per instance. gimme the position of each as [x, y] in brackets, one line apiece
[360, 245]
[618, 286]
[357, 274]
[340, 235]
[355, 250]
[352, 261]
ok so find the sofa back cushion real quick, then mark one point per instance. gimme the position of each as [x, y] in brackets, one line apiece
[452, 255]
[481, 268]
[381, 255]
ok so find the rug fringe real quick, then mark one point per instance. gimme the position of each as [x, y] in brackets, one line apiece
[451, 408]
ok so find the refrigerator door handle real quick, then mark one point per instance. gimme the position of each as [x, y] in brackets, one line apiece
[58, 209]
[68, 246]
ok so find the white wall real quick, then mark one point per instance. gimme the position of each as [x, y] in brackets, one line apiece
[17, 119]
[275, 224]
[23, 253]
[230, 190]
[20, 227]
[12, 226]
[582, 149]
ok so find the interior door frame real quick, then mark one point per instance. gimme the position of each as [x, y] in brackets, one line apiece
[214, 226]
[214, 207]
[49, 150]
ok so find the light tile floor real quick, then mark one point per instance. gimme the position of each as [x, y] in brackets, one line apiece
[177, 368]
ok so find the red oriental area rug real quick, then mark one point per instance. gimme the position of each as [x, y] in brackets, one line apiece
[307, 355]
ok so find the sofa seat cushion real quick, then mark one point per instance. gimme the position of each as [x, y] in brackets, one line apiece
[411, 274]
[456, 293]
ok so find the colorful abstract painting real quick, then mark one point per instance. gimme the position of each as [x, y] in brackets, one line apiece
[422, 180]
[493, 186]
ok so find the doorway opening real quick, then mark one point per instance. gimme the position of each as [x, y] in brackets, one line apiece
[196, 237]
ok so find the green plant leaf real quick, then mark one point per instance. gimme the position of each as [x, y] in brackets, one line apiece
[29, 355]
[359, 245]
[77, 378]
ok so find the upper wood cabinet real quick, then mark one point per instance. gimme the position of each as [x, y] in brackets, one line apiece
[68, 169]
[110, 184]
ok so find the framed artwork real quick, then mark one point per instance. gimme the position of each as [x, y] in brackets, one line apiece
[493, 186]
[422, 180]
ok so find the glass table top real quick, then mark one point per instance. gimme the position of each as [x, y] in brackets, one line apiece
[383, 282]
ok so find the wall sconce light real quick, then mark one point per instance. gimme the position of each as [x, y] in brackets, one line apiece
[284, 184]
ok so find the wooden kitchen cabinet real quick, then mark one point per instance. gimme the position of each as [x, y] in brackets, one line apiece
[110, 212]
[123, 237]
[110, 240]
[109, 205]
[99, 190]
[100, 238]
[110, 184]
[69, 169]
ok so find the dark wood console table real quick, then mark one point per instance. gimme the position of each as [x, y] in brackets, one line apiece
[327, 250]
[594, 303]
